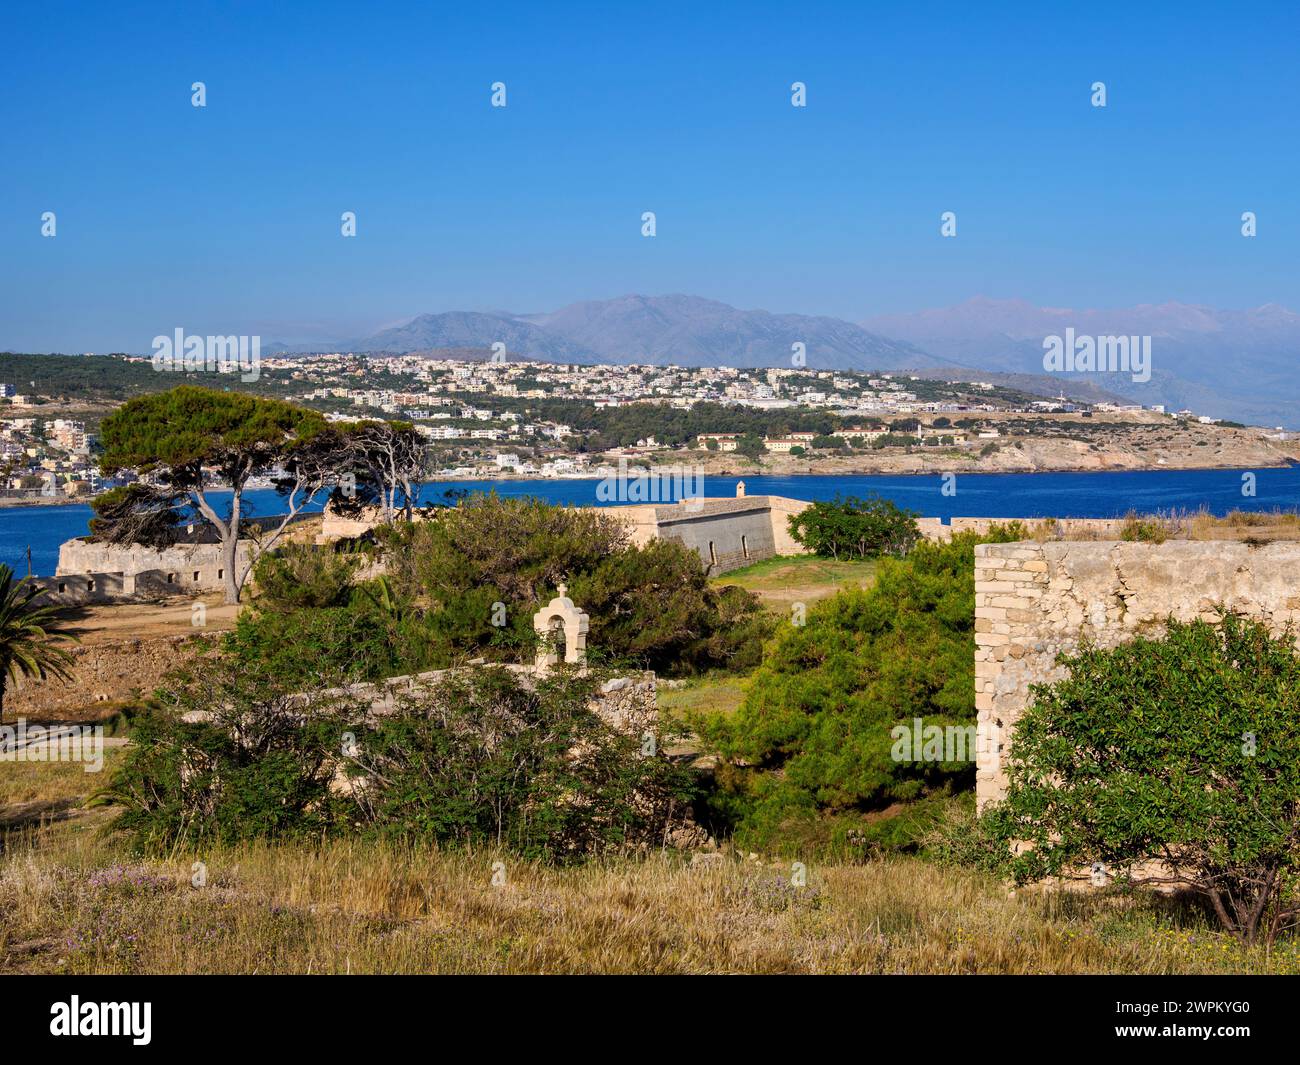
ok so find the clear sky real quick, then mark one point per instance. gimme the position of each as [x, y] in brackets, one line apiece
[225, 219]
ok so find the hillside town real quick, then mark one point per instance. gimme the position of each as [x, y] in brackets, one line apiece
[486, 418]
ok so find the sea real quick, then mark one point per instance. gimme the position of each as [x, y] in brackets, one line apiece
[41, 529]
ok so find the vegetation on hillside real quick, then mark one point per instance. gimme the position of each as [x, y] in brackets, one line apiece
[809, 754]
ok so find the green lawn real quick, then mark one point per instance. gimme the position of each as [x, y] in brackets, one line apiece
[788, 579]
[715, 692]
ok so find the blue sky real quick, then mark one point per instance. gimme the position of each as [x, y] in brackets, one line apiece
[225, 219]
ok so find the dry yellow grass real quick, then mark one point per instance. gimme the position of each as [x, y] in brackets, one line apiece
[32, 792]
[71, 901]
[1243, 524]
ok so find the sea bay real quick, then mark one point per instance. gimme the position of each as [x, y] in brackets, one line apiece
[1001, 495]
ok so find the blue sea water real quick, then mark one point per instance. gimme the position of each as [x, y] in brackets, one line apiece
[995, 495]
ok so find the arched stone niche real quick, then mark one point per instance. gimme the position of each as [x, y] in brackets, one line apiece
[562, 620]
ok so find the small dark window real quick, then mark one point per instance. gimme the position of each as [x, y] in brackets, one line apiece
[196, 575]
[221, 574]
[744, 546]
[90, 586]
[171, 578]
[713, 555]
[62, 587]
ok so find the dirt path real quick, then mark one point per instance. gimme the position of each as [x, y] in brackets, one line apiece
[142, 621]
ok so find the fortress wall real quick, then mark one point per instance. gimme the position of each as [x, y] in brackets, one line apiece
[627, 703]
[724, 540]
[727, 533]
[78, 557]
[934, 529]
[107, 573]
[85, 588]
[1052, 528]
[781, 510]
[1036, 601]
[640, 520]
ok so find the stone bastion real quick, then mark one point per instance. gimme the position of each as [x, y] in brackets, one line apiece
[1037, 601]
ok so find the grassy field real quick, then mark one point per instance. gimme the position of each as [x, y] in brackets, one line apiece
[73, 901]
[782, 581]
[779, 582]
[715, 692]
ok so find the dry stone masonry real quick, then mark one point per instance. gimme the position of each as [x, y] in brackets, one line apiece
[1036, 601]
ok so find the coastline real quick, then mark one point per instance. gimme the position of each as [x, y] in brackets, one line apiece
[43, 501]
[881, 472]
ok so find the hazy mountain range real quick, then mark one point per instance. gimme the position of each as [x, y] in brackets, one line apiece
[684, 330]
[1230, 364]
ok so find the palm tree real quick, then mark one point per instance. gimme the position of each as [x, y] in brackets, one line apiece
[28, 635]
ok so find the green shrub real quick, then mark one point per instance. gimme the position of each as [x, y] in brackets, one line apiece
[480, 758]
[1183, 750]
[249, 767]
[1144, 530]
[484, 759]
[297, 576]
[960, 838]
[858, 528]
[650, 606]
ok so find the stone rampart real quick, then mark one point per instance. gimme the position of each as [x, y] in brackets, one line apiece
[1037, 601]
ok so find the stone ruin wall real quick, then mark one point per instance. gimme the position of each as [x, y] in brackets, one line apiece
[90, 573]
[627, 703]
[101, 672]
[1036, 601]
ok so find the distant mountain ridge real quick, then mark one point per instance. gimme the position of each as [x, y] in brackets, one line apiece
[678, 329]
[1229, 364]
[1226, 363]
[691, 331]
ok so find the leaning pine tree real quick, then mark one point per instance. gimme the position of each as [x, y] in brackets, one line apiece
[189, 441]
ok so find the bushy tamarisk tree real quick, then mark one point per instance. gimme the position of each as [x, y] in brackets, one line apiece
[1173, 761]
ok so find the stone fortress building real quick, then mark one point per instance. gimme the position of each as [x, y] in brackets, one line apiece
[726, 533]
